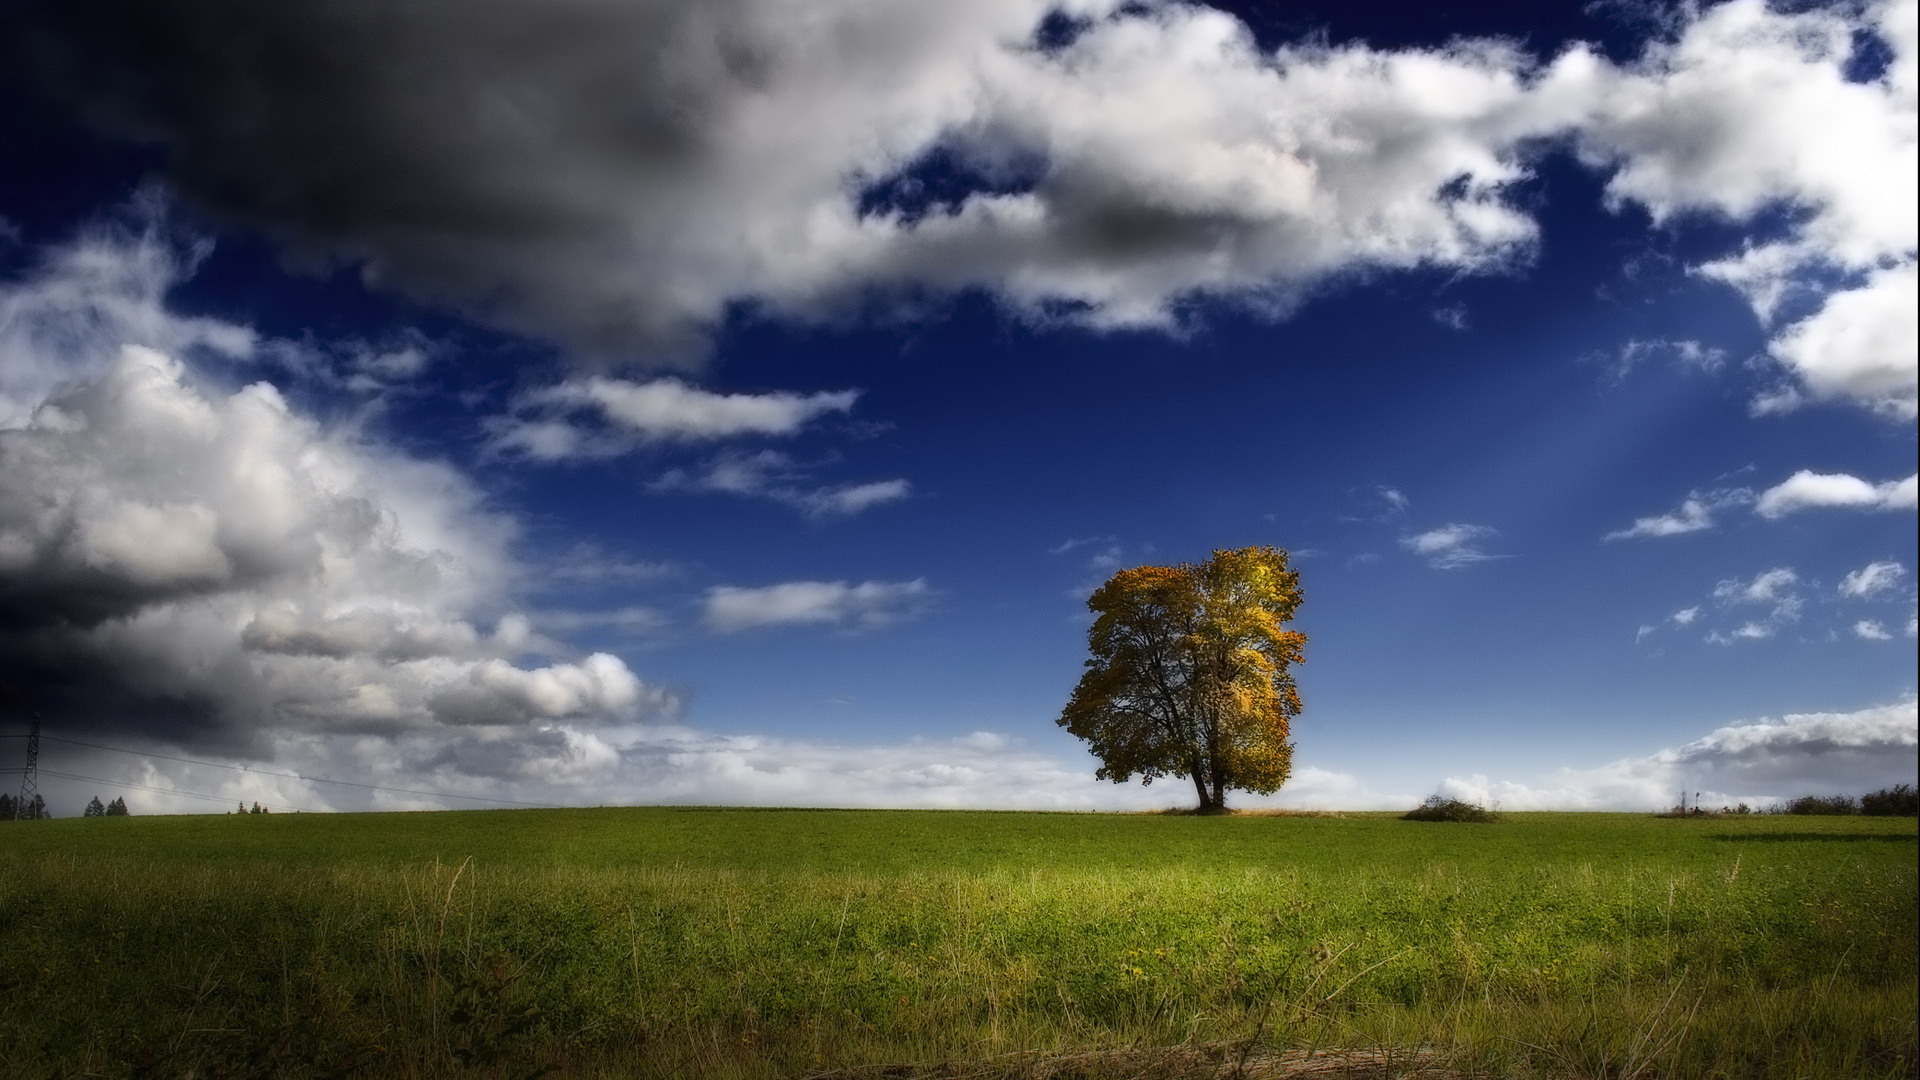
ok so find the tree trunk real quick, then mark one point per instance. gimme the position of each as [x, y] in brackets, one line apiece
[1200, 786]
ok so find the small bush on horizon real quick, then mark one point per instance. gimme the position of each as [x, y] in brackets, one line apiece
[1437, 808]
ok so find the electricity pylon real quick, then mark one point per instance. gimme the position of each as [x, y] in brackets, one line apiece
[29, 778]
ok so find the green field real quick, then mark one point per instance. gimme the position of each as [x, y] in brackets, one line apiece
[789, 943]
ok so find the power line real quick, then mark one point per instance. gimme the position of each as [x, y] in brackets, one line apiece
[287, 775]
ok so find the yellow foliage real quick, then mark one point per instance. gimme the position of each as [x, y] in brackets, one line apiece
[1190, 674]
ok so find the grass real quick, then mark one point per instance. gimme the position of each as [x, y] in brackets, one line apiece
[739, 943]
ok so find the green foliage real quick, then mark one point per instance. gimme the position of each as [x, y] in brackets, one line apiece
[1436, 808]
[1900, 800]
[1823, 806]
[1191, 674]
[670, 942]
[12, 808]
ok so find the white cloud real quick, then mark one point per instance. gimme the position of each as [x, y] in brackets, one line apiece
[1751, 107]
[770, 474]
[868, 605]
[69, 316]
[1765, 588]
[1686, 353]
[1069, 544]
[1872, 579]
[1749, 110]
[227, 554]
[631, 619]
[853, 498]
[981, 769]
[1758, 762]
[1861, 345]
[1807, 489]
[1450, 547]
[1685, 616]
[1775, 587]
[564, 763]
[213, 570]
[496, 692]
[1871, 630]
[1695, 514]
[545, 425]
[1751, 630]
[652, 179]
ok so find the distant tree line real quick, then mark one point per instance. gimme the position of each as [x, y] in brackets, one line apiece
[1900, 800]
[12, 808]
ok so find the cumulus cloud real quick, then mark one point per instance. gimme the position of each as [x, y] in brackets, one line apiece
[1450, 547]
[209, 569]
[69, 315]
[1807, 489]
[599, 416]
[1751, 109]
[1695, 514]
[219, 567]
[1860, 345]
[770, 474]
[1873, 579]
[1758, 762]
[1871, 630]
[866, 606]
[622, 173]
[621, 176]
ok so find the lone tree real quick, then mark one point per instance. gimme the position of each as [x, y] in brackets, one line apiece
[1190, 674]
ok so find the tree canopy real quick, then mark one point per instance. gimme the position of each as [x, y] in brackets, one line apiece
[1191, 674]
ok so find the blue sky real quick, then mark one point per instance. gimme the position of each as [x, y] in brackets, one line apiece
[647, 402]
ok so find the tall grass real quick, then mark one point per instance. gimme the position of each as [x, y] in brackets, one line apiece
[672, 943]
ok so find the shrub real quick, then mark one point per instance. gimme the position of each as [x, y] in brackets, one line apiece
[1900, 800]
[1439, 809]
[1828, 805]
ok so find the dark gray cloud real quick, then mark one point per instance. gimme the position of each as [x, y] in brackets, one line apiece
[616, 174]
